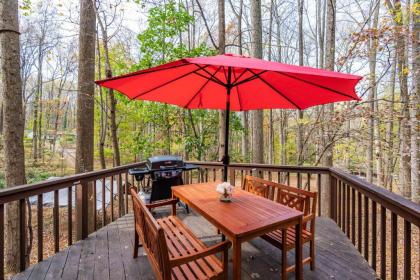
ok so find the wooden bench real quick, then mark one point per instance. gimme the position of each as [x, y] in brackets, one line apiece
[174, 252]
[299, 199]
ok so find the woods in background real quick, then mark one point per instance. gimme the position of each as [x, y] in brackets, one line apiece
[54, 121]
[376, 138]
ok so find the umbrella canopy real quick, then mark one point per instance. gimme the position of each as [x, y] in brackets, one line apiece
[232, 82]
[255, 84]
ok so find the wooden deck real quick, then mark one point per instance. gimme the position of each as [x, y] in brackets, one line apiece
[107, 254]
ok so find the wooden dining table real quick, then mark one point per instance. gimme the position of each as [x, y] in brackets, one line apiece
[247, 216]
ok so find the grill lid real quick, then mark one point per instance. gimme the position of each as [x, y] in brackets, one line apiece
[164, 162]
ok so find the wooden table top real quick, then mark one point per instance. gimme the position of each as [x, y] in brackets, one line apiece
[245, 215]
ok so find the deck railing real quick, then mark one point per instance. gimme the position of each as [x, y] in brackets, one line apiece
[113, 183]
[362, 210]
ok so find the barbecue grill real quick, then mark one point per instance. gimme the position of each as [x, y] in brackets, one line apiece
[159, 175]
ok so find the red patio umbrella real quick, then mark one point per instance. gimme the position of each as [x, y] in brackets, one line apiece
[238, 83]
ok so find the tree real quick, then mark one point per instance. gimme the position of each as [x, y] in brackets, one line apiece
[258, 115]
[108, 74]
[299, 133]
[327, 157]
[85, 105]
[245, 114]
[405, 155]
[44, 28]
[270, 115]
[389, 137]
[103, 104]
[14, 156]
[222, 45]
[372, 49]
[415, 112]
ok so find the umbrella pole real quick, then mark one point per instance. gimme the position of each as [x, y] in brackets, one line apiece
[226, 155]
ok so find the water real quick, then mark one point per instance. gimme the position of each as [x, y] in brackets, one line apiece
[48, 198]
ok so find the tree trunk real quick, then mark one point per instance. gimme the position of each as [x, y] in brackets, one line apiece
[245, 114]
[321, 35]
[14, 156]
[1, 115]
[389, 137]
[245, 136]
[85, 107]
[258, 115]
[415, 114]
[270, 115]
[372, 49]
[103, 112]
[405, 155]
[283, 137]
[222, 44]
[299, 134]
[327, 158]
[35, 126]
[111, 96]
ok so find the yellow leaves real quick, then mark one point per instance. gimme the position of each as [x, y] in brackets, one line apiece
[415, 9]
[405, 71]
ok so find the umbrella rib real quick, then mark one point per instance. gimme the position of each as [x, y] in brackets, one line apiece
[237, 90]
[317, 85]
[250, 78]
[140, 73]
[239, 98]
[212, 79]
[165, 83]
[215, 79]
[240, 75]
[277, 91]
[224, 72]
[201, 88]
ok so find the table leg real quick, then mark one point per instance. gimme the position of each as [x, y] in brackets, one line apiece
[236, 256]
[298, 250]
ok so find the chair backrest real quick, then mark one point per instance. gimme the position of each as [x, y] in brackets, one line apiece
[292, 197]
[152, 237]
[256, 186]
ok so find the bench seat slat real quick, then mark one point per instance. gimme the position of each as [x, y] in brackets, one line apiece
[209, 264]
[179, 245]
[182, 242]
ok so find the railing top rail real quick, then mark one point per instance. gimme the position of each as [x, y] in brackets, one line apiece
[405, 208]
[24, 191]
[271, 167]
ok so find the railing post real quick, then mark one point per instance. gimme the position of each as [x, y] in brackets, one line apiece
[120, 196]
[327, 194]
[22, 234]
[333, 201]
[232, 176]
[82, 210]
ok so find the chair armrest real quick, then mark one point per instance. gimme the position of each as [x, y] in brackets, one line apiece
[171, 201]
[223, 246]
[308, 218]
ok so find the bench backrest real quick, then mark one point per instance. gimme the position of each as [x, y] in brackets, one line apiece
[152, 237]
[298, 199]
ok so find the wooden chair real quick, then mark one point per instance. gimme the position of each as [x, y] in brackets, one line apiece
[174, 252]
[299, 199]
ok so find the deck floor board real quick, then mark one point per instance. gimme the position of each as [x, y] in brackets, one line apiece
[107, 254]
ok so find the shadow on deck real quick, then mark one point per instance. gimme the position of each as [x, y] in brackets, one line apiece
[107, 254]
